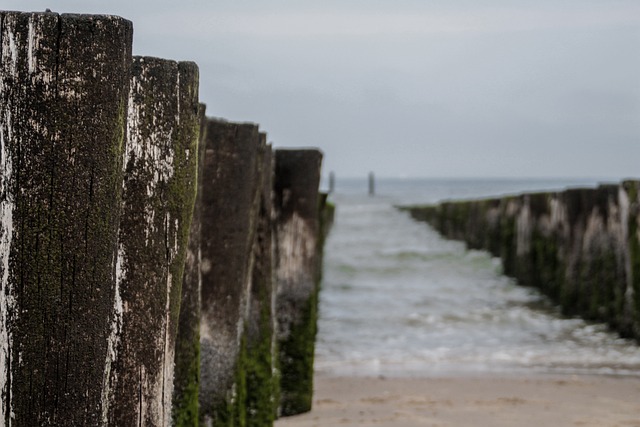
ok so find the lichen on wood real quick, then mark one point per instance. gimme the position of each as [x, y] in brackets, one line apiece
[64, 82]
[187, 356]
[158, 196]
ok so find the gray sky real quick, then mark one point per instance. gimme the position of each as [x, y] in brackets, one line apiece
[457, 88]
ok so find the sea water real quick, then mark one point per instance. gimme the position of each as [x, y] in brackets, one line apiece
[398, 299]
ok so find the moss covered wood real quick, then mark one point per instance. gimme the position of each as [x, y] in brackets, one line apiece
[158, 196]
[229, 215]
[261, 383]
[64, 83]
[297, 176]
[298, 349]
[579, 246]
[187, 354]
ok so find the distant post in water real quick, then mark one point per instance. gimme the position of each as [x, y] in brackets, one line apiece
[332, 182]
[372, 184]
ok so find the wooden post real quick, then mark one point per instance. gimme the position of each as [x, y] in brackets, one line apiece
[187, 371]
[229, 213]
[332, 183]
[630, 316]
[64, 83]
[158, 197]
[296, 183]
[262, 386]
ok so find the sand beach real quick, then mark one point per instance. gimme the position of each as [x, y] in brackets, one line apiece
[479, 401]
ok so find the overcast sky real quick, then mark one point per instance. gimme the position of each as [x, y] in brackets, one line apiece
[444, 88]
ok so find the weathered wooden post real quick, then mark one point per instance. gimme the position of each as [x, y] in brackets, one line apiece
[187, 365]
[578, 204]
[229, 213]
[332, 183]
[296, 183]
[262, 385]
[158, 197]
[630, 193]
[64, 83]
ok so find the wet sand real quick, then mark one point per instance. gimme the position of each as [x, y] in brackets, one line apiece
[535, 401]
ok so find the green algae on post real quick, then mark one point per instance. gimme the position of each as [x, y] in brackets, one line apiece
[229, 216]
[297, 178]
[261, 382]
[187, 355]
[158, 197]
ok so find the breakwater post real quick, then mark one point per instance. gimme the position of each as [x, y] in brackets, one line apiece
[581, 247]
[186, 408]
[158, 196]
[297, 273]
[260, 361]
[332, 182]
[229, 214]
[64, 84]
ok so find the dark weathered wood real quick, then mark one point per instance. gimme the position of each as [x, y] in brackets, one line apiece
[231, 182]
[64, 83]
[262, 385]
[332, 182]
[187, 370]
[297, 177]
[92, 267]
[159, 192]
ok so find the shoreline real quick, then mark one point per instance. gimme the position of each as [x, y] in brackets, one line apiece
[491, 400]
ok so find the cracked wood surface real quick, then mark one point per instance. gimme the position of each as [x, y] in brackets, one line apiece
[158, 196]
[64, 85]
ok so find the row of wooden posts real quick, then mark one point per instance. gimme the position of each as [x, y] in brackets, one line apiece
[580, 246]
[157, 267]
